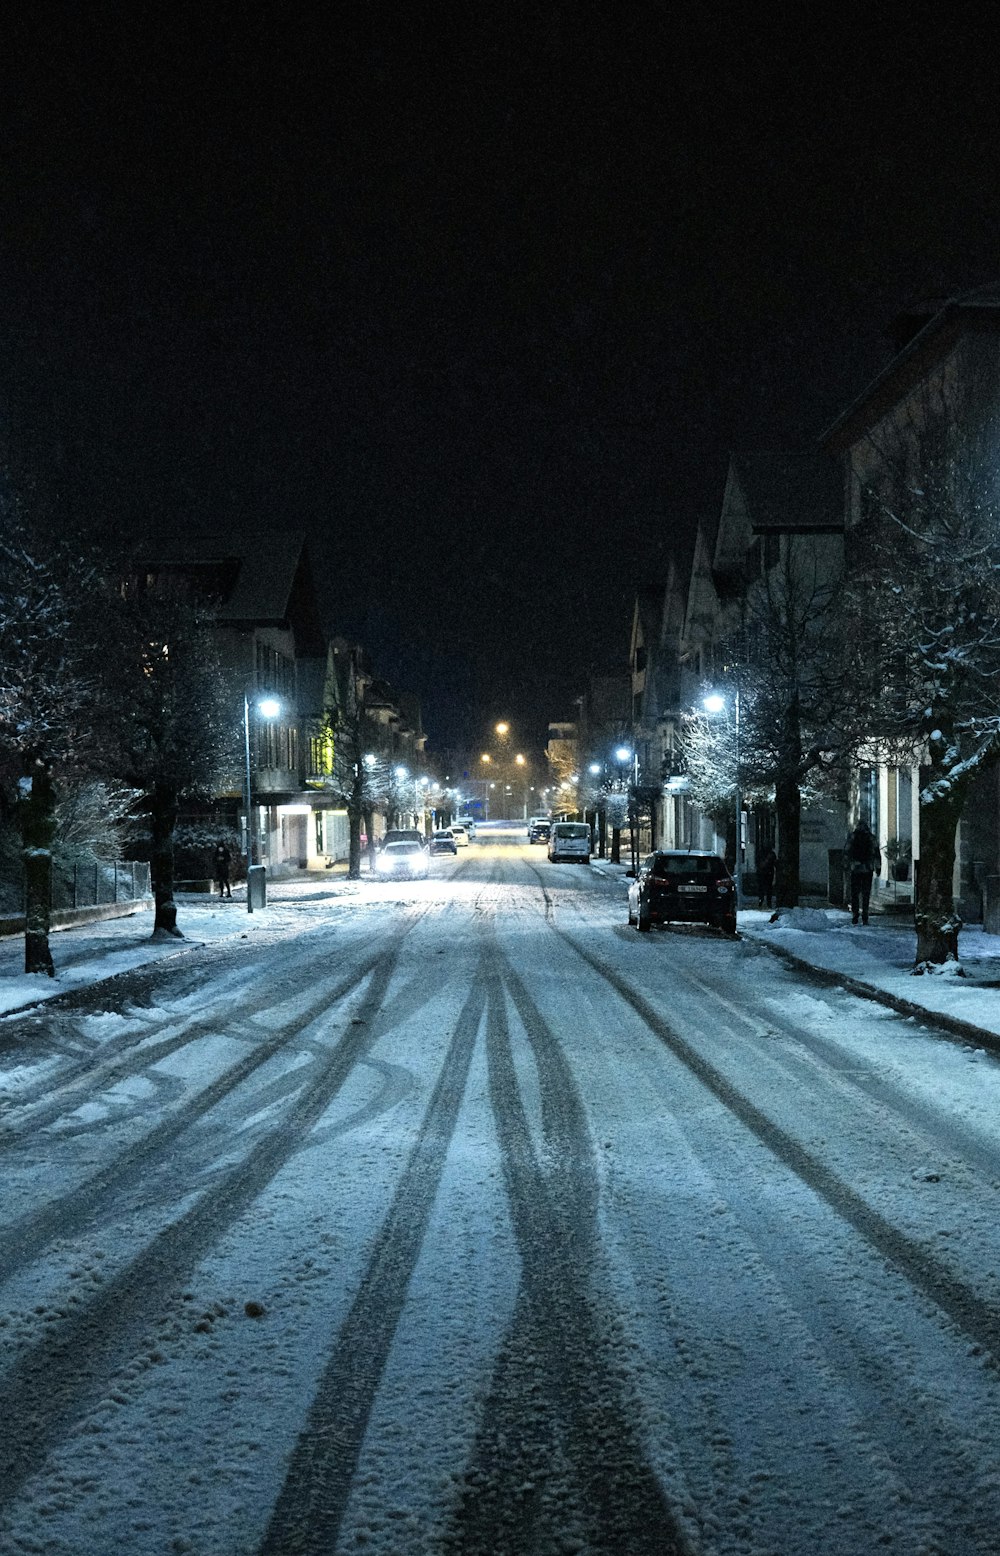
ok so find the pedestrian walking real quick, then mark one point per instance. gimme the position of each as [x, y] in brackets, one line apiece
[862, 859]
[221, 860]
[767, 861]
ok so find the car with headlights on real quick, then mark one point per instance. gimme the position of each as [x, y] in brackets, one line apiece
[443, 842]
[539, 831]
[403, 860]
[683, 885]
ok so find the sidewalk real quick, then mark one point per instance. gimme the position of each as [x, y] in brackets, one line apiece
[88, 954]
[876, 961]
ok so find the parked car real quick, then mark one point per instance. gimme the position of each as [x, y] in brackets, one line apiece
[468, 823]
[683, 885]
[569, 840]
[443, 842]
[404, 835]
[402, 858]
[539, 831]
[460, 834]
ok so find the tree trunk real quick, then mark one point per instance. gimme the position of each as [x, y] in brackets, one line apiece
[163, 820]
[602, 833]
[935, 915]
[354, 853]
[369, 819]
[38, 826]
[616, 845]
[788, 814]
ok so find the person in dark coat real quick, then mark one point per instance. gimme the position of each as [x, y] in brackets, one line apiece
[221, 859]
[767, 861]
[862, 860]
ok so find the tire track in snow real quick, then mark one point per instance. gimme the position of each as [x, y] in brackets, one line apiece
[25, 1239]
[129, 1055]
[956, 1300]
[52, 1386]
[310, 1507]
[558, 1455]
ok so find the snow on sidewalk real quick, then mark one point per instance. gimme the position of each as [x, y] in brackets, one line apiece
[880, 956]
[86, 954]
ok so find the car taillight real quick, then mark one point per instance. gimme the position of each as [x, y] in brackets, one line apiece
[722, 886]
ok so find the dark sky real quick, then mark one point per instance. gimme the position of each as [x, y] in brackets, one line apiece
[479, 295]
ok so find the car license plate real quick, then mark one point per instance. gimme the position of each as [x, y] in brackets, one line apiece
[692, 888]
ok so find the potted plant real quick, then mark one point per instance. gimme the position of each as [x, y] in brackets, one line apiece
[898, 853]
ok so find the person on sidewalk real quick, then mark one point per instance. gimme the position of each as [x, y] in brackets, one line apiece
[221, 860]
[863, 860]
[767, 861]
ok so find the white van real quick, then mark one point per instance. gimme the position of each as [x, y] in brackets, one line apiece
[569, 840]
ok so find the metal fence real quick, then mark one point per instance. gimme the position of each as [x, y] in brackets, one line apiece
[91, 884]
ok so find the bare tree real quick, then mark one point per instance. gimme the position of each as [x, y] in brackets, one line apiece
[361, 777]
[47, 648]
[799, 706]
[175, 733]
[926, 580]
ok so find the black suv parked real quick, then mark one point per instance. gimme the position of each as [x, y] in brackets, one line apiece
[682, 885]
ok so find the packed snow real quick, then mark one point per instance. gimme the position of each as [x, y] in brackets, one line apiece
[453, 1216]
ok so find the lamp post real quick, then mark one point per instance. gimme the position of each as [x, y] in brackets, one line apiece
[268, 708]
[625, 754]
[715, 703]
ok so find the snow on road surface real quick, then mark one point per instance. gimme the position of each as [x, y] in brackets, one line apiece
[456, 1217]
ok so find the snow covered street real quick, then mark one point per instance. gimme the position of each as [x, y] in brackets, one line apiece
[456, 1217]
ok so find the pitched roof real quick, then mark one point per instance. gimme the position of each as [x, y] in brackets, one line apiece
[258, 577]
[786, 491]
[944, 323]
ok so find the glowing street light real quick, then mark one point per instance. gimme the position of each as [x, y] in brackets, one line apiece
[265, 708]
[714, 702]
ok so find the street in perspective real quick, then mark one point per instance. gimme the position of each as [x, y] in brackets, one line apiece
[454, 1215]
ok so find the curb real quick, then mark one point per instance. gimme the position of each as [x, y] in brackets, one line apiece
[952, 1025]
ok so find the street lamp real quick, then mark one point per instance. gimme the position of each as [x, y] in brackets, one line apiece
[267, 708]
[715, 703]
[623, 755]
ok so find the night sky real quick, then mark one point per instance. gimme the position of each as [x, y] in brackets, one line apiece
[479, 296]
